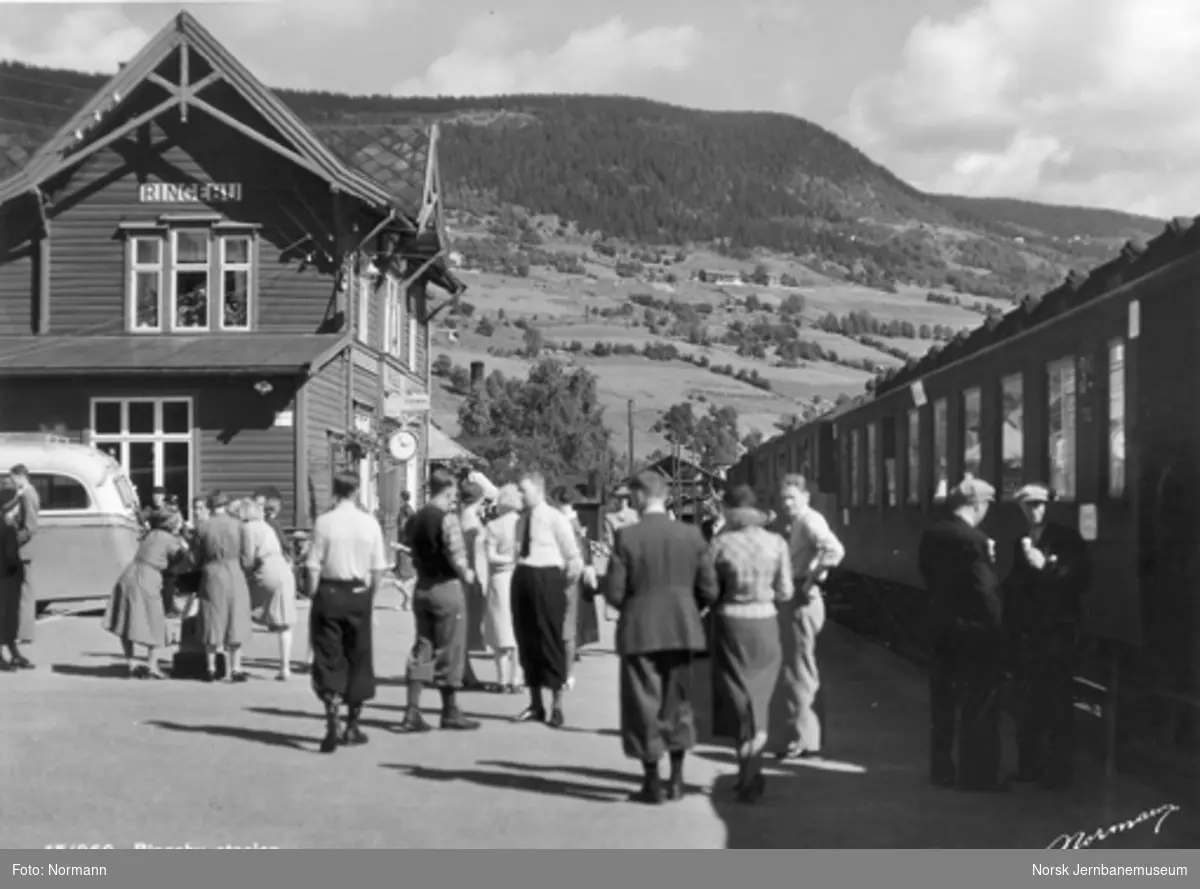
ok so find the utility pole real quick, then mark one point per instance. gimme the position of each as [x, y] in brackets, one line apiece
[629, 410]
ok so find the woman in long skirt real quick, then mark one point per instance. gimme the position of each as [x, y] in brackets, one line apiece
[271, 574]
[224, 594]
[135, 613]
[577, 629]
[500, 552]
[754, 572]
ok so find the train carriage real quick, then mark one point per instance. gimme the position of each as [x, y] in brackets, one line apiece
[1091, 389]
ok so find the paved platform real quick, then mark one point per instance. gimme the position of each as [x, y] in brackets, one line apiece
[87, 756]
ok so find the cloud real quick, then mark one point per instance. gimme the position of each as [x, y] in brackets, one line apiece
[787, 12]
[1072, 101]
[92, 38]
[488, 61]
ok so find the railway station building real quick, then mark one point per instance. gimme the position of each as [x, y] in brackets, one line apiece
[222, 297]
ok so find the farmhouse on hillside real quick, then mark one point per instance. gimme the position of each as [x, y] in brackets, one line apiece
[198, 283]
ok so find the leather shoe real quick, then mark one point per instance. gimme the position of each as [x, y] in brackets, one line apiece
[353, 736]
[675, 789]
[649, 794]
[530, 714]
[413, 723]
[458, 723]
[557, 720]
[20, 662]
[329, 743]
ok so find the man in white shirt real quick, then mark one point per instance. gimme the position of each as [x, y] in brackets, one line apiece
[548, 561]
[346, 564]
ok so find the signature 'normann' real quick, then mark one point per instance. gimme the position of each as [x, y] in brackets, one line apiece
[1081, 840]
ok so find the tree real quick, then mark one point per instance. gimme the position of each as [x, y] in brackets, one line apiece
[551, 421]
[534, 342]
[713, 437]
[753, 439]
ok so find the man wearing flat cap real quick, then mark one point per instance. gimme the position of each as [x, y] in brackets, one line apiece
[957, 561]
[1044, 595]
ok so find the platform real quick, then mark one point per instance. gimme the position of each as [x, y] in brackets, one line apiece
[89, 757]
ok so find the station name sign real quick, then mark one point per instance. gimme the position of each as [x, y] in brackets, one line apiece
[189, 193]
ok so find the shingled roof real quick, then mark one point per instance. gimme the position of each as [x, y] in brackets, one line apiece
[1180, 237]
[395, 156]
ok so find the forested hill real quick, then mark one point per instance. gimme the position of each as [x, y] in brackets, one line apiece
[648, 172]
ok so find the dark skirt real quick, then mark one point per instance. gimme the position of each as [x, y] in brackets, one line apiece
[539, 607]
[746, 659]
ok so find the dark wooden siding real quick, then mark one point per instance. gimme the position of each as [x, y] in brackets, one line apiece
[325, 396]
[293, 207]
[236, 444]
[19, 227]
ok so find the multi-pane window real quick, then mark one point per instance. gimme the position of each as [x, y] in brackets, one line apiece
[913, 444]
[1116, 418]
[1061, 426]
[1012, 433]
[362, 291]
[941, 467]
[972, 407]
[889, 461]
[855, 464]
[872, 464]
[152, 440]
[190, 279]
[235, 282]
[414, 329]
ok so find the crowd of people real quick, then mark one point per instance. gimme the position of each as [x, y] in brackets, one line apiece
[511, 570]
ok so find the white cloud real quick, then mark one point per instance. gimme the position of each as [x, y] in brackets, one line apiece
[1071, 101]
[93, 38]
[487, 60]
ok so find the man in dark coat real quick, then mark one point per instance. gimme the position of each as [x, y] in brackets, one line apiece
[1044, 610]
[660, 577]
[12, 579]
[957, 561]
[27, 528]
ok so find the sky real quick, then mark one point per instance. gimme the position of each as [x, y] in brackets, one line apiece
[1082, 102]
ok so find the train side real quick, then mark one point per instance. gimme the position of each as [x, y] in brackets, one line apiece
[1098, 400]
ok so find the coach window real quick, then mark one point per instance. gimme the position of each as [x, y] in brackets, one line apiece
[1116, 418]
[872, 464]
[889, 461]
[1012, 433]
[1061, 423]
[972, 407]
[855, 466]
[913, 444]
[941, 471]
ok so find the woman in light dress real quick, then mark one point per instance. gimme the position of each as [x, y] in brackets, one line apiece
[224, 594]
[272, 580]
[135, 612]
[500, 556]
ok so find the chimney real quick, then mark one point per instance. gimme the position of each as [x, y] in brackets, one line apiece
[476, 373]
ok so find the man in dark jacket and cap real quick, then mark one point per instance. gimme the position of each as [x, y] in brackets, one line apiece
[957, 561]
[1044, 596]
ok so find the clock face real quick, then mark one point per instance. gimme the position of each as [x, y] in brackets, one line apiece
[402, 445]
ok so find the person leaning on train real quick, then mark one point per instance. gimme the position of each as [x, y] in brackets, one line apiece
[957, 562]
[1044, 595]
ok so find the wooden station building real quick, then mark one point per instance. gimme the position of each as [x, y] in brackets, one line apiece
[220, 296]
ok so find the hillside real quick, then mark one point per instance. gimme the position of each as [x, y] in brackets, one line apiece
[745, 258]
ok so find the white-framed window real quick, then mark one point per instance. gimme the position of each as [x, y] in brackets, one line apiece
[393, 308]
[146, 282]
[872, 473]
[237, 266]
[855, 467]
[1012, 433]
[152, 440]
[190, 278]
[1061, 422]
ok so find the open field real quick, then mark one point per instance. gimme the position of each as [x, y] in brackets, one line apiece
[566, 308]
